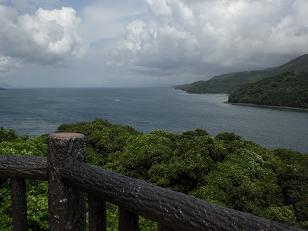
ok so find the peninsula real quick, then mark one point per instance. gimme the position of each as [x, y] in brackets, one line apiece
[285, 85]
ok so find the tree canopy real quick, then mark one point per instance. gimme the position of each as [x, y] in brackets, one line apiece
[225, 170]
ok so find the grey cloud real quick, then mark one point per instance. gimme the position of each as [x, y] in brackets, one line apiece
[222, 35]
[7, 63]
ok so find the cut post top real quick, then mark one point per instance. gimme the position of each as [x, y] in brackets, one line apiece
[66, 135]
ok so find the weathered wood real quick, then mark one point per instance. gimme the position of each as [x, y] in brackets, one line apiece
[66, 205]
[19, 204]
[97, 213]
[128, 221]
[162, 205]
[164, 228]
[25, 167]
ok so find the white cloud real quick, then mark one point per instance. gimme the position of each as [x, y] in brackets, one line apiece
[197, 35]
[44, 37]
[159, 8]
[101, 22]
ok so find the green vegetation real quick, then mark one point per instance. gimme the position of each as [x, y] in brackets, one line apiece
[223, 83]
[287, 89]
[228, 83]
[11, 144]
[224, 170]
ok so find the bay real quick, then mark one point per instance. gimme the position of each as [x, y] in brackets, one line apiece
[38, 111]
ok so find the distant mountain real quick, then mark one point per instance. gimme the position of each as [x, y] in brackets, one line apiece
[287, 89]
[228, 83]
[4, 86]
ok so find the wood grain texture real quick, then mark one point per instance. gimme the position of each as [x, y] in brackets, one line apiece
[97, 213]
[164, 228]
[162, 205]
[19, 204]
[128, 221]
[66, 205]
[25, 167]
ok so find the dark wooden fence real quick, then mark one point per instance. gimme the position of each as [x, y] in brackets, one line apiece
[72, 183]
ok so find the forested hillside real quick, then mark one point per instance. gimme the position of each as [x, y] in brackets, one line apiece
[228, 83]
[288, 89]
[225, 170]
[223, 83]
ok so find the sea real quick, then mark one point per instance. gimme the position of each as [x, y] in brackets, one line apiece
[39, 111]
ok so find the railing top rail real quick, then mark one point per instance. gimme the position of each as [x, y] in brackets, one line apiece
[159, 204]
[24, 166]
[162, 205]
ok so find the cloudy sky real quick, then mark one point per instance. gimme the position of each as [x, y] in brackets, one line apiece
[120, 43]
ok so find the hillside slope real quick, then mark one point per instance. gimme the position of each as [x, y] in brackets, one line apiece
[228, 83]
[287, 89]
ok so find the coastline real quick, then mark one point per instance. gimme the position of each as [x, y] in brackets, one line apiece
[269, 106]
[256, 105]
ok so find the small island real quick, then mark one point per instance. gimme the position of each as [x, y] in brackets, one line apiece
[1, 89]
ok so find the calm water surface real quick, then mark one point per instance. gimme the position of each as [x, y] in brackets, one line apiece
[37, 111]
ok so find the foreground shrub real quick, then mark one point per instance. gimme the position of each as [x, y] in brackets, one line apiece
[224, 170]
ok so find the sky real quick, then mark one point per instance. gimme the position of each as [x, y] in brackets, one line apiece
[142, 43]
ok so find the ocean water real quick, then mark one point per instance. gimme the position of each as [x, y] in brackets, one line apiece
[38, 111]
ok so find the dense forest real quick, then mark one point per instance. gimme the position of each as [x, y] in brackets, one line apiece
[227, 83]
[225, 170]
[288, 89]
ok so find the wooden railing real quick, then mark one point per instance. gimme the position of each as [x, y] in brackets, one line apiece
[70, 181]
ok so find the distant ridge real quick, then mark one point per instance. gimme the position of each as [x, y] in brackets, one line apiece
[227, 83]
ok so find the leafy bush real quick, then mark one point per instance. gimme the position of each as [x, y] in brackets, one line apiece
[7, 135]
[36, 191]
[224, 170]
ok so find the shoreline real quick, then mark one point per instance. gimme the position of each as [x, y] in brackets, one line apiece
[269, 106]
[286, 108]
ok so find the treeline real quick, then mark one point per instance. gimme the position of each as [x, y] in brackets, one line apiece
[287, 89]
[224, 170]
[227, 83]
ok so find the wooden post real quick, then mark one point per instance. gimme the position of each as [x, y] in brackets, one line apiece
[127, 221]
[97, 213]
[19, 204]
[66, 205]
[163, 228]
